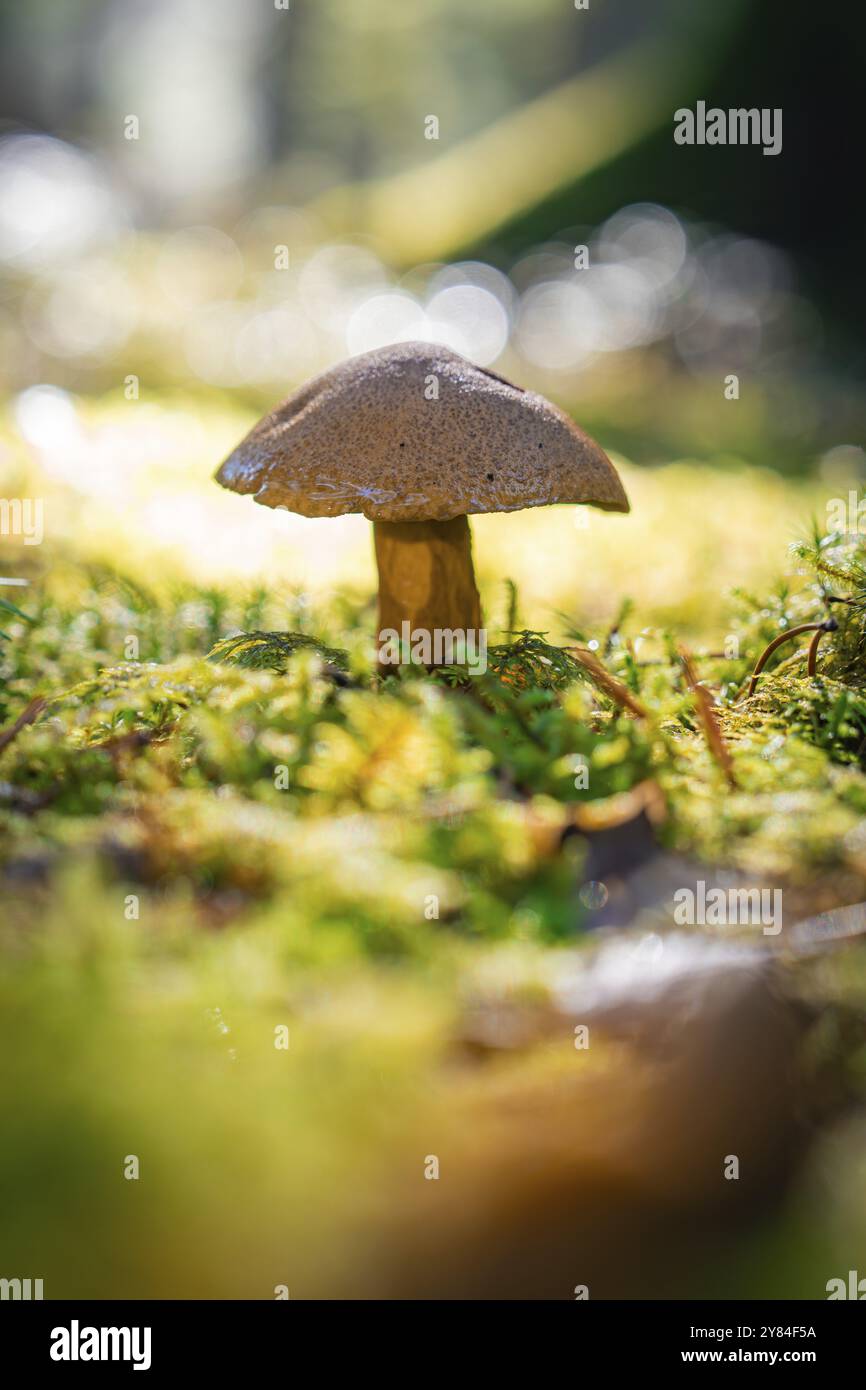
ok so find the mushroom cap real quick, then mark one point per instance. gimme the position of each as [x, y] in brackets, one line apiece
[375, 435]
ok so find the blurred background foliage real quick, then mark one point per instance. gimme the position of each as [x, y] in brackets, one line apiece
[279, 209]
[304, 129]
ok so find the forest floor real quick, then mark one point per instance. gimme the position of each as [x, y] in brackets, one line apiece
[298, 939]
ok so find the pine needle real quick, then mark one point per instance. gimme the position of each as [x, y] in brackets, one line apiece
[707, 715]
[608, 684]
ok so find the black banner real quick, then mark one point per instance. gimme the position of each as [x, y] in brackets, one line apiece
[223, 1338]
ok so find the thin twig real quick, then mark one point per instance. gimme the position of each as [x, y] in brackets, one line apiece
[777, 642]
[829, 626]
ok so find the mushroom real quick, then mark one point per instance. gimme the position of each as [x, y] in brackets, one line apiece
[417, 438]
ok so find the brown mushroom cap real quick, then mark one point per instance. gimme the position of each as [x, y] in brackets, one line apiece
[366, 437]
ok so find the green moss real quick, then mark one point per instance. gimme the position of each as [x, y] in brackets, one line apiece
[151, 762]
[270, 651]
[246, 828]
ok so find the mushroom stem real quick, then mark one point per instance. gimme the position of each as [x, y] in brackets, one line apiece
[426, 579]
